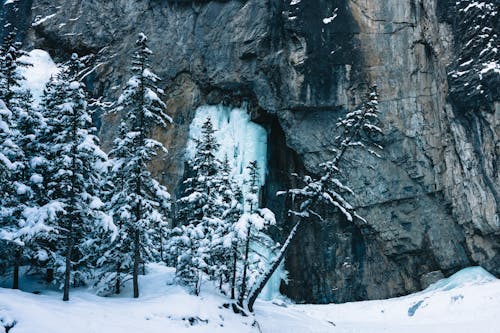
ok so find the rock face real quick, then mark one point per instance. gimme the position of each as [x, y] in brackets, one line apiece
[431, 201]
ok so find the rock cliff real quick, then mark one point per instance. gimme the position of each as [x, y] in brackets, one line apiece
[431, 201]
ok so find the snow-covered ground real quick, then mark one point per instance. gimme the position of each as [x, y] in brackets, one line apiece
[469, 301]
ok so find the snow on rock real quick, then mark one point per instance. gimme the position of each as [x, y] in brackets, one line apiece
[40, 73]
[39, 21]
[471, 305]
[330, 19]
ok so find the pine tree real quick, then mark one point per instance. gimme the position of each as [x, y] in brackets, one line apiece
[116, 257]
[357, 130]
[228, 209]
[251, 223]
[198, 188]
[10, 64]
[75, 169]
[196, 214]
[138, 201]
[28, 182]
[9, 153]
[19, 193]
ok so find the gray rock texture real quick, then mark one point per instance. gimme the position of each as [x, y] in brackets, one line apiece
[431, 201]
[430, 278]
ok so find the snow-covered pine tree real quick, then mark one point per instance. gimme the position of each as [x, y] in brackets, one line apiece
[251, 223]
[196, 211]
[202, 171]
[115, 262]
[28, 183]
[227, 209]
[76, 165]
[138, 200]
[357, 130]
[9, 154]
[10, 64]
[232, 197]
[23, 122]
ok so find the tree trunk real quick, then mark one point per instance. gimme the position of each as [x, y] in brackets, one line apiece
[233, 278]
[161, 247]
[67, 271]
[17, 259]
[137, 260]
[49, 275]
[198, 283]
[261, 283]
[117, 285]
[245, 267]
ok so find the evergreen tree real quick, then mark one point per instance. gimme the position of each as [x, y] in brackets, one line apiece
[23, 123]
[197, 209]
[9, 153]
[10, 64]
[199, 187]
[74, 186]
[116, 258]
[226, 249]
[28, 182]
[251, 223]
[138, 201]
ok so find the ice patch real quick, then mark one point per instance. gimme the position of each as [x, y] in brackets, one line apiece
[466, 277]
[39, 74]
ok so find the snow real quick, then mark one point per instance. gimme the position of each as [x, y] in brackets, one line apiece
[491, 66]
[40, 73]
[330, 19]
[74, 85]
[39, 21]
[476, 4]
[469, 301]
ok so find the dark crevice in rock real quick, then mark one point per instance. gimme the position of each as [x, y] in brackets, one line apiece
[282, 163]
[478, 128]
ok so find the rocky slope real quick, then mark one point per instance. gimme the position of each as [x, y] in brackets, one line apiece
[432, 201]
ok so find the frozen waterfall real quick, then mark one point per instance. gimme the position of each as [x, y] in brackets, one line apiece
[242, 141]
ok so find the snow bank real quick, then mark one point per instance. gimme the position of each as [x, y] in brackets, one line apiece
[468, 301]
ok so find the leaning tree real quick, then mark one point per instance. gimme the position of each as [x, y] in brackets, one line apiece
[357, 129]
